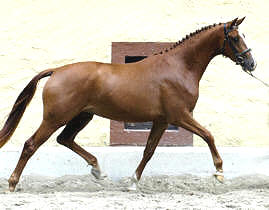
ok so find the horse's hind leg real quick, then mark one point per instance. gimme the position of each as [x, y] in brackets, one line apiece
[155, 135]
[31, 145]
[68, 135]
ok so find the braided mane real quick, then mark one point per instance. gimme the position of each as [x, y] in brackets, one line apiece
[187, 37]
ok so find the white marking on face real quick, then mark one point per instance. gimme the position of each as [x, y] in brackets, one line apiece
[242, 35]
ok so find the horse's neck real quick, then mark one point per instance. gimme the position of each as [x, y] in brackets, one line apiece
[198, 51]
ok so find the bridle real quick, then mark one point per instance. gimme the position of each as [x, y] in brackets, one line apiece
[239, 59]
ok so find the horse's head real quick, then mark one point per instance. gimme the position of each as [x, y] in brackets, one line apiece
[234, 46]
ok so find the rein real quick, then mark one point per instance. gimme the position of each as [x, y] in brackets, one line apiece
[249, 73]
[238, 55]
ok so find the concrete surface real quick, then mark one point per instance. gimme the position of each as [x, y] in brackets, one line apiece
[118, 162]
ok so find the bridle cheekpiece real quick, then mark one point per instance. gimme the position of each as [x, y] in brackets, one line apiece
[238, 55]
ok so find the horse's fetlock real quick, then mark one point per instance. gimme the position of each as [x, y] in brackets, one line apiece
[13, 180]
[94, 162]
[218, 165]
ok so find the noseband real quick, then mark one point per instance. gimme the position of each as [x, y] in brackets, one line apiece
[238, 55]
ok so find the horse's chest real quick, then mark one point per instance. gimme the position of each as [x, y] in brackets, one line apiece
[179, 97]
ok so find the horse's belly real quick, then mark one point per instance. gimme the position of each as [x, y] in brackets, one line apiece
[126, 112]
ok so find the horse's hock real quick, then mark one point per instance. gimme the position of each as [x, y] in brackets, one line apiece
[137, 133]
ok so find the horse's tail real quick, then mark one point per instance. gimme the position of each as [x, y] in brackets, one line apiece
[19, 107]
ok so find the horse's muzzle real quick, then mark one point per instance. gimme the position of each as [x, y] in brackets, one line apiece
[249, 64]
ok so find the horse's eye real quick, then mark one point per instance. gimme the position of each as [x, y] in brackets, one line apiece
[236, 39]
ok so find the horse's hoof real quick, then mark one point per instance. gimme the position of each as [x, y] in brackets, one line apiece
[103, 176]
[134, 182]
[97, 173]
[219, 176]
[11, 188]
[132, 187]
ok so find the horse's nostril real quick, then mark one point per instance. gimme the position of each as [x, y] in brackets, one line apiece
[253, 65]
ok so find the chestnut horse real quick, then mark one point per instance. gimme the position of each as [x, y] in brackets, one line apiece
[162, 88]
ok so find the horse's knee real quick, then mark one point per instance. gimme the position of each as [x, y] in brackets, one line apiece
[29, 147]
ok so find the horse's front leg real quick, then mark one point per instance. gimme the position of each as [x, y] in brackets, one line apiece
[155, 135]
[186, 121]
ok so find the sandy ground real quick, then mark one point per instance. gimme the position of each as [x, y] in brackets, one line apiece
[161, 192]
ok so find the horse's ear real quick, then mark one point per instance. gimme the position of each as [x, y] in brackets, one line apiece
[233, 23]
[238, 22]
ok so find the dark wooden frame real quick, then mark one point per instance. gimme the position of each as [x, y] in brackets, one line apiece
[121, 136]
